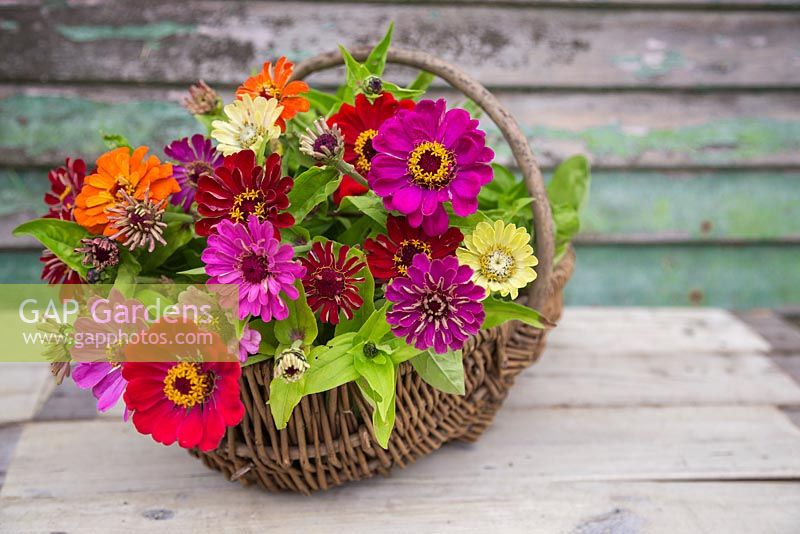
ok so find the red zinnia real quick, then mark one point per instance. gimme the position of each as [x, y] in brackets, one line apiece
[56, 271]
[359, 125]
[330, 281]
[65, 184]
[239, 188]
[389, 256]
[186, 401]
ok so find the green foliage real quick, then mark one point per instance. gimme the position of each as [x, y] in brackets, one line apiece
[61, 237]
[568, 191]
[499, 311]
[113, 141]
[283, 397]
[177, 234]
[300, 325]
[442, 371]
[381, 424]
[331, 365]
[127, 271]
[379, 373]
[376, 60]
[312, 188]
[321, 102]
[401, 92]
[421, 82]
[366, 289]
[369, 204]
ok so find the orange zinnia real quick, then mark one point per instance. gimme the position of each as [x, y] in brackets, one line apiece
[274, 83]
[119, 170]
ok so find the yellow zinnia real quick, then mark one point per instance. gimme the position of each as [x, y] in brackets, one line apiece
[501, 256]
[251, 123]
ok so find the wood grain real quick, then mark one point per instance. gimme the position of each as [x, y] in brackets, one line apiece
[220, 41]
[24, 387]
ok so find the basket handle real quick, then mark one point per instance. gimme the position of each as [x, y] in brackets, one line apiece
[542, 217]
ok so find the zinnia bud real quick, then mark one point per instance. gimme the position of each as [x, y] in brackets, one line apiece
[324, 143]
[202, 99]
[291, 365]
[373, 86]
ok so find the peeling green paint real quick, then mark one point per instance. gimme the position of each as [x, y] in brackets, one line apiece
[58, 125]
[152, 33]
[731, 277]
[20, 267]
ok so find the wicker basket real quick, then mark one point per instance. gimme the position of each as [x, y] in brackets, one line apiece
[326, 442]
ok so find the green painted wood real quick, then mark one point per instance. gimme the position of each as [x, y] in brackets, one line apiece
[42, 127]
[20, 267]
[503, 45]
[726, 276]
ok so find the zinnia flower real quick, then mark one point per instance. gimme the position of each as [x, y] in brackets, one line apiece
[240, 188]
[65, 184]
[195, 158]
[291, 365]
[390, 255]
[250, 257]
[436, 305]
[99, 252]
[428, 156]
[324, 143]
[330, 281]
[190, 401]
[359, 125]
[138, 222]
[202, 99]
[250, 124]
[118, 170]
[501, 256]
[274, 83]
[56, 271]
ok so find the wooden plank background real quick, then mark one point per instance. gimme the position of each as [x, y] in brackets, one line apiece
[690, 112]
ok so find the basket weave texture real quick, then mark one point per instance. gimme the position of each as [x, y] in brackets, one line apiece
[329, 439]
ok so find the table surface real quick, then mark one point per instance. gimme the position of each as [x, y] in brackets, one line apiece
[635, 420]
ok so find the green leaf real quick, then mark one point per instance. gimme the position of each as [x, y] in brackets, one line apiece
[375, 327]
[176, 234]
[382, 426]
[401, 92]
[380, 375]
[400, 351]
[114, 141]
[357, 230]
[127, 271]
[369, 204]
[331, 366]
[322, 103]
[467, 224]
[499, 311]
[300, 324]
[356, 73]
[192, 272]
[570, 183]
[376, 60]
[422, 81]
[60, 237]
[257, 358]
[442, 371]
[283, 397]
[472, 108]
[567, 225]
[312, 188]
[366, 290]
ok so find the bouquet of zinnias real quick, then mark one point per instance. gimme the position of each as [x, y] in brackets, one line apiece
[359, 230]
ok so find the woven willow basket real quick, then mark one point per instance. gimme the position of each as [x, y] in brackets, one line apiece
[326, 442]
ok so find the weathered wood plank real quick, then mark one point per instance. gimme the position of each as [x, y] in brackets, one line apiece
[783, 336]
[9, 435]
[640, 130]
[664, 275]
[635, 331]
[502, 45]
[24, 387]
[570, 377]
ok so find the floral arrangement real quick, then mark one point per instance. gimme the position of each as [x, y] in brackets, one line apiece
[362, 229]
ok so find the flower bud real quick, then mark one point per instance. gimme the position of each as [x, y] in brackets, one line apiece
[202, 99]
[291, 365]
[373, 86]
[324, 143]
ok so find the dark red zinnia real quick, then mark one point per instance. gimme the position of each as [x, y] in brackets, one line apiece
[239, 188]
[56, 271]
[65, 184]
[390, 255]
[330, 281]
[359, 124]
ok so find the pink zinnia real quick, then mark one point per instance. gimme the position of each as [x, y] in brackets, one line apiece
[435, 305]
[249, 256]
[426, 157]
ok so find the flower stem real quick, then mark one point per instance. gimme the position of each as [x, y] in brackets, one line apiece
[345, 168]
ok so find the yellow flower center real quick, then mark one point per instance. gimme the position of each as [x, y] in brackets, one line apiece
[113, 353]
[250, 201]
[268, 90]
[125, 184]
[186, 386]
[431, 165]
[498, 264]
[406, 252]
[363, 147]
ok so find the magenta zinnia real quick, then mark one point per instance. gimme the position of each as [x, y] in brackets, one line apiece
[426, 157]
[250, 257]
[435, 305]
[330, 281]
[194, 158]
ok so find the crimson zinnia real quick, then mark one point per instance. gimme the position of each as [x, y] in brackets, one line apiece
[239, 188]
[390, 255]
[330, 281]
[359, 125]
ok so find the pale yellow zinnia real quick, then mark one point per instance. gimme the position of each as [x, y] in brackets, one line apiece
[501, 256]
[251, 123]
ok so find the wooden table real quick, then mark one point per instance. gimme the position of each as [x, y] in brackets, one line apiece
[636, 420]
